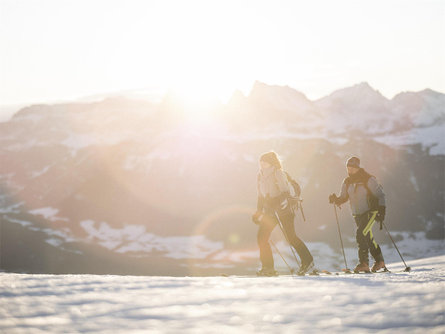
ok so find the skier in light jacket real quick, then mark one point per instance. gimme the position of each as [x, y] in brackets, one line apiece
[273, 208]
[367, 202]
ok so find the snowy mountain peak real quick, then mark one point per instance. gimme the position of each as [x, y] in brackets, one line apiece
[424, 109]
[283, 99]
[357, 108]
[237, 98]
[426, 93]
[30, 111]
[274, 91]
[358, 93]
[432, 93]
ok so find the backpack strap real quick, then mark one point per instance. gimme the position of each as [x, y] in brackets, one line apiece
[372, 199]
[365, 182]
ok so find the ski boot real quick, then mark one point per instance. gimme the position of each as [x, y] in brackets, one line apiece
[267, 272]
[378, 265]
[305, 268]
[362, 267]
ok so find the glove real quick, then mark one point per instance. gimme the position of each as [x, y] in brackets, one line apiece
[333, 199]
[256, 217]
[381, 215]
[284, 203]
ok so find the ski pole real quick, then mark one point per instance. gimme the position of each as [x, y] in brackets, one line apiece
[288, 242]
[301, 209]
[407, 269]
[341, 240]
[276, 248]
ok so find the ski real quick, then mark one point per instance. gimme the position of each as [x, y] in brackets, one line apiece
[317, 272]
[347, 273]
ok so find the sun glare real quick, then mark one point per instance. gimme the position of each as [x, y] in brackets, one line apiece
[200, 95]
[200, 58]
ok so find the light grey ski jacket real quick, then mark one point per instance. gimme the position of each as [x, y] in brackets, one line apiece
[353, 189]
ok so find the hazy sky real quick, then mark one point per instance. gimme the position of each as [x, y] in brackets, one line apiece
[58, 49]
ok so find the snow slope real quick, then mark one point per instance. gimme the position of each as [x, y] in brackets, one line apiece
[397, 302]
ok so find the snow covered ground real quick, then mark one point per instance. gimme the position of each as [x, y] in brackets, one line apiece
[397, 302]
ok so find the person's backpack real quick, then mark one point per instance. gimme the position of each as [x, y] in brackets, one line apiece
[295, 200]
[294, 184]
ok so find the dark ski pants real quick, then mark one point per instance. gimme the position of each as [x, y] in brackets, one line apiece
[365, 239]
[267, 225]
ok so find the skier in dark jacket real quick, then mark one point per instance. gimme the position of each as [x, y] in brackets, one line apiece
[274, 206]
[367, 202]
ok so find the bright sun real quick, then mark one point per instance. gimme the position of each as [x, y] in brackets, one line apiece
[203, 58]
[199, 91]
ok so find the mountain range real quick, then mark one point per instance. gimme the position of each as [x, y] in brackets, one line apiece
[126, 185]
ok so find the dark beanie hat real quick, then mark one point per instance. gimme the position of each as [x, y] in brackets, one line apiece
[353, 162]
